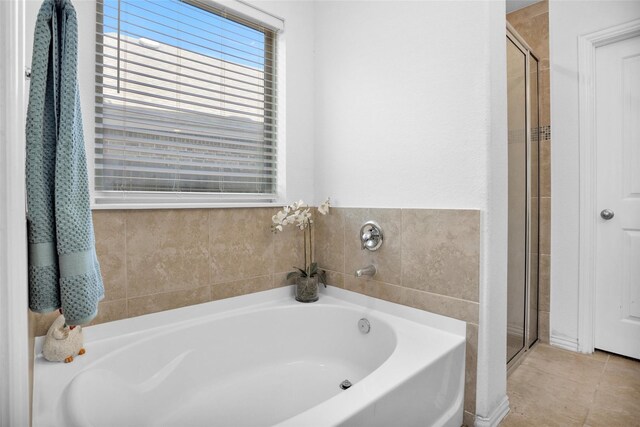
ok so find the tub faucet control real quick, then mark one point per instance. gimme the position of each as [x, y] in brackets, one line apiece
[371, 236]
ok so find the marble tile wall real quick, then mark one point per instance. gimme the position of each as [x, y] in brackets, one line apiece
[532, 23]
[154, 260]
[429, 260]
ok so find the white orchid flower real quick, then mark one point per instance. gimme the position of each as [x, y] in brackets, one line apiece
[302, 218]
[298, 214]
[324, 207]
[279, 217]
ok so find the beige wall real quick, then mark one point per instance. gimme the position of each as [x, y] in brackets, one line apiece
[154, 260]
[429, 260]
[532, 23]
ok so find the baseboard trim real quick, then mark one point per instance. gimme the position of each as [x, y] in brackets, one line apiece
[564, 343]
[496, 415]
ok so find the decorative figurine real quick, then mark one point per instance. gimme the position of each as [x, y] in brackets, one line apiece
[63, 342]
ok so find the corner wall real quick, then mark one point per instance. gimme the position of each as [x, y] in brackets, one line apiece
[567, 21]
[411, 113]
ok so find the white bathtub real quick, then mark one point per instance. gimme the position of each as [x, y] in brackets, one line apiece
[261, 360]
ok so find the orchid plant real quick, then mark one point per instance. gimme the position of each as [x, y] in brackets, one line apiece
[299, 215]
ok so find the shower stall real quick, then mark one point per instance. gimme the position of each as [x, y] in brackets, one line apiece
[523, 131]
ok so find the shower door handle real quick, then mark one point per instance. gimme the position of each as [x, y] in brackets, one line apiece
[607, 214]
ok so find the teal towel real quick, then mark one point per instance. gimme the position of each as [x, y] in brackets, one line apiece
[63, 267]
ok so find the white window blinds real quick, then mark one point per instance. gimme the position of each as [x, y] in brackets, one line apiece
[185, 103]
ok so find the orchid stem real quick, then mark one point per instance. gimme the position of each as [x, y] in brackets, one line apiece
[305, 253]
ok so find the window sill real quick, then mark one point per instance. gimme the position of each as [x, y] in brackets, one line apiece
[113, 200]
[139, 206]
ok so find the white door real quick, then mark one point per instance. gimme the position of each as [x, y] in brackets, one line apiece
[617, 322]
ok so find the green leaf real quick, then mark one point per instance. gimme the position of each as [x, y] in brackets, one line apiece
[322, 277]
[313, 269]
[299, 273]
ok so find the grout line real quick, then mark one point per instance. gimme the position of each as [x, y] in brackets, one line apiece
[209, 263]
[240, 279]
[169, 292]
[126, 268]
[401, 247]
[344, 241]
[595, 392]
[272, 242]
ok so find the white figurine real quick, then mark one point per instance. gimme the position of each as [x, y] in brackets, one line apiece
[62, 342]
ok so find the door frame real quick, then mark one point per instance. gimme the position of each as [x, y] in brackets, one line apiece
[587, 45]
[14, 326]
[14, 329]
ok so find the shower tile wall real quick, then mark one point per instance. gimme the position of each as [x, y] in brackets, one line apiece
[532, 23]
[154, 260]
[429, 260]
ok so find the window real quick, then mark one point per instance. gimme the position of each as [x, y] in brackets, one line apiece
[185, 104]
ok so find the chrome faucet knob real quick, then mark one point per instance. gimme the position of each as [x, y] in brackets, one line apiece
[371, 236]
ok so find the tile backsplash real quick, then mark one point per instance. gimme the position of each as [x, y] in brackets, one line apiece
[155, 260]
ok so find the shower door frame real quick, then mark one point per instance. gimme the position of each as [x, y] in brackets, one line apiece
[522, 45]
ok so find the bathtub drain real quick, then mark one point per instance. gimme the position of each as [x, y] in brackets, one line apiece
[364, 326]
[345, 384]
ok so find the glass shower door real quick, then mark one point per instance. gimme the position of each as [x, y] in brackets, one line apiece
[523, 195]
[517, 195]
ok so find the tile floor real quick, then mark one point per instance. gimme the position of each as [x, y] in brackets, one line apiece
[554, 387]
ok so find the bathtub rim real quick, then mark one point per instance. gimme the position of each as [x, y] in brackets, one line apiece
[235, 305]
